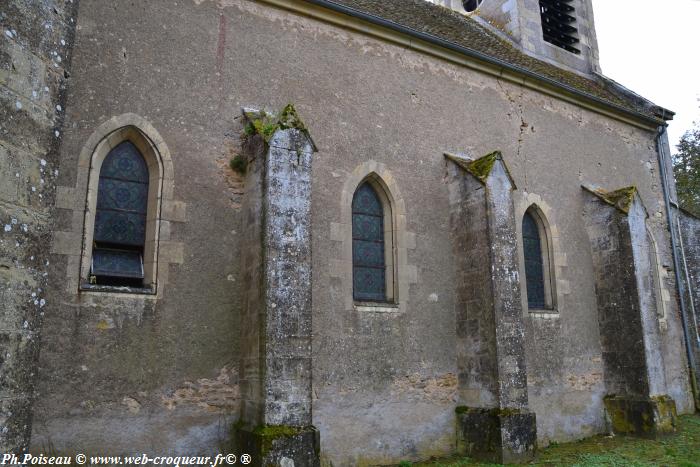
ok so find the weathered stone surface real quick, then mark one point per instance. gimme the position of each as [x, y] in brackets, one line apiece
[372, 105]
[490, 327]
[496, 435]
[35, 49]
[630, 334]
[647, 418]
[276, 362]
[285, 446]
[690, 259]
[520, 19]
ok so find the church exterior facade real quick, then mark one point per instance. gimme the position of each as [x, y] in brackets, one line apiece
[334, 232]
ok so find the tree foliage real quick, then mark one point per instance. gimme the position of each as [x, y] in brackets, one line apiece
[686, 168]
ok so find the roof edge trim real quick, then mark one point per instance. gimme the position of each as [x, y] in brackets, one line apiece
[531, 79]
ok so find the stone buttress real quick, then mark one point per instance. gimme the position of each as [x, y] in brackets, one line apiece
[637, 401]
[493, 419]
[36, 50]
[275, 425]
[689, 249]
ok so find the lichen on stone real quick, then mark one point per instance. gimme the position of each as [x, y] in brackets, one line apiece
[267, 434]
[266, 124]
[276, 431]
[621, 199]
[481, 168]
[239, 163]
[289, 118]
[646, 417]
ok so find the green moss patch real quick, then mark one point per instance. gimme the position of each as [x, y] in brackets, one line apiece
[481, 168]
[239, 164]
[678, 450]
[266, 124]
[622, 199]
[277, 431]
[266, 435]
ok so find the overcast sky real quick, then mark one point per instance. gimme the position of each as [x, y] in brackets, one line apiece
[653, 48]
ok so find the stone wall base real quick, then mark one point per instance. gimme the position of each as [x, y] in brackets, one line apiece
[279, 446]
[644, 417]
[503, 436]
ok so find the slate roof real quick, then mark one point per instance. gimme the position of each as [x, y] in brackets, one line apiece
[465, 32]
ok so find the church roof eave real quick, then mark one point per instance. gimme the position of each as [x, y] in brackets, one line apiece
[459, 33]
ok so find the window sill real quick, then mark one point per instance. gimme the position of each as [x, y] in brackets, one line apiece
[545, 313]
[117, 289]
[375, 307]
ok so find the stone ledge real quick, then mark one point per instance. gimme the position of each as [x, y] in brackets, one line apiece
[377, 308]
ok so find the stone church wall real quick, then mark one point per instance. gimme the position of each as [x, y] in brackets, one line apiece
[157, 373]
[35, 54]
[690, 230]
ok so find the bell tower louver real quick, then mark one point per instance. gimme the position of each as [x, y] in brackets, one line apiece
[561, 32]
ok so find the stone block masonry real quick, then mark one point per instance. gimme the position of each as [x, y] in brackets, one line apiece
[690, 256]
[494, 422]
[275, 422]
[629, 328]
[36, 40]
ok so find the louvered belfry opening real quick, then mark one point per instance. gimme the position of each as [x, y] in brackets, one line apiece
[559, 24]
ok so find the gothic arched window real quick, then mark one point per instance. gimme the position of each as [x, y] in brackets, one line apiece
[120, 218]
[535, 250]
[368, 245]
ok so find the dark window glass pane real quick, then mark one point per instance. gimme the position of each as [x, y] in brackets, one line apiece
[534, 267]
[121, 195]
[125, 162]
[369, 284]
[366, 227]
[120, 228]
[368, 245]
[366, 201]
[368, 254]
[122, 198]
[117, 263]
[120, 218]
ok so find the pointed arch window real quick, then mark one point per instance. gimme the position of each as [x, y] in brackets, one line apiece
[129, 167]
[120, 218]
[536, 253]
[368, 246]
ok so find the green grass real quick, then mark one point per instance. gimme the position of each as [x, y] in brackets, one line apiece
[679, 450]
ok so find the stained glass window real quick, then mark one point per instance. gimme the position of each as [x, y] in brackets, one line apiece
[369, 266]
[120, 218]
[534, 264]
